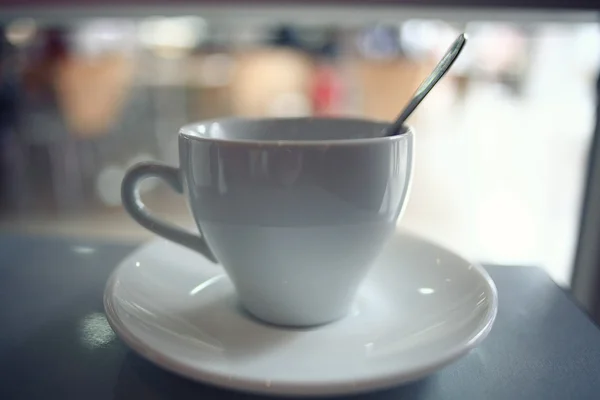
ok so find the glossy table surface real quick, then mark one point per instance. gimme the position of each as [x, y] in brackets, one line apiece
[55, 343]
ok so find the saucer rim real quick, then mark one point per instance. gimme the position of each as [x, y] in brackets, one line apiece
[290, 388]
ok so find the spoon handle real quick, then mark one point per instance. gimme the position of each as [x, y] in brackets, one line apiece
[426, 86]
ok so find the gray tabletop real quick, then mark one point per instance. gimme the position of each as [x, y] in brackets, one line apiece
[54, 343]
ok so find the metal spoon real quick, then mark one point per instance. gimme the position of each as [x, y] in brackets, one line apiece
[426, 86]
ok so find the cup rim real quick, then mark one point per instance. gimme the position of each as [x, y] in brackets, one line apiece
[187, 131]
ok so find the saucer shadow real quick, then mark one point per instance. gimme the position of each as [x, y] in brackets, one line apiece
[140, 379]
[248, 315]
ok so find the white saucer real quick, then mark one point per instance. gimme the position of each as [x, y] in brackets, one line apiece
[420, 308]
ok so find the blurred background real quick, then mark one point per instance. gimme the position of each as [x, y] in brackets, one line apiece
[501, 143]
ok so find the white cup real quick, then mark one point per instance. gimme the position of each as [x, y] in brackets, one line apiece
[295, 210]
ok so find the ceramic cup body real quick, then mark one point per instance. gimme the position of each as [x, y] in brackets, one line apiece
[295, 210]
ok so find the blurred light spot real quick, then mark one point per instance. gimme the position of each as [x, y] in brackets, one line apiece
[215, 131]
[205, 284]
[291, 104]
[178, 32]
[496, 47]
[21, 32]
[202, 129]
[379, 42]
[438, 261]
[498, 213]
[587, 37]
[108, 185]
[420, 38]
[83, 250]
[137, 264]
[100, 36]
[95, 331]
[426, 290]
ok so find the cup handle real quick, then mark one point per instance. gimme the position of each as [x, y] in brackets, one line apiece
[133, 204]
